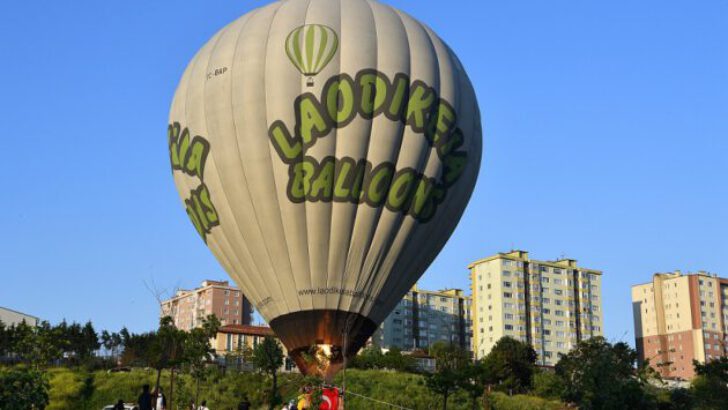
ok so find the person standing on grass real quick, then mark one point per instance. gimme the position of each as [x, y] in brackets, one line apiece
[244, 404]
[203, 405]
[145, 399]
[160, 401]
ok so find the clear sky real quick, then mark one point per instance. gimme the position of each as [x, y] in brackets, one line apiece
[605, 134]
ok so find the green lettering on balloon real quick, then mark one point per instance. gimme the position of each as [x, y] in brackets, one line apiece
[323, 183]
[311, 121]
[400, 191]
[195, 163]
[288, 148]
[379, 184]
[299, 184]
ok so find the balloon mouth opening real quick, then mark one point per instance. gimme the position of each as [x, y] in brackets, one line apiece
[318, 340]
[321, 360]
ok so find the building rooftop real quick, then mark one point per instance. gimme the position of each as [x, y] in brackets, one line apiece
[522, 256]
[677, 274]
[247, 330]
[205, 284]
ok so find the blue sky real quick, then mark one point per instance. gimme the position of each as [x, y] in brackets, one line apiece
[605, 133]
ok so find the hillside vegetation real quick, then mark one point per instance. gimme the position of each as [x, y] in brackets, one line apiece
[80, 390]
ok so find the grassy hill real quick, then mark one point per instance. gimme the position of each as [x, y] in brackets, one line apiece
[80, 390]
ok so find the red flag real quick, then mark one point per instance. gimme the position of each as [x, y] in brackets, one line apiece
[330, 399]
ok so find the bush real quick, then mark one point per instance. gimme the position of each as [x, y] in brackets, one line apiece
[403, 389]
[67, 388]
[22, 388]
[547, 384]
[501, 401]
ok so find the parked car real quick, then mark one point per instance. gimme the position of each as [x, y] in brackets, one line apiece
[119, 369]
[127, 406]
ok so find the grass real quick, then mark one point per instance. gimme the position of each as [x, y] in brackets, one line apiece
[81, 390]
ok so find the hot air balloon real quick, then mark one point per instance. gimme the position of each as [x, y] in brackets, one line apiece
[324, 151]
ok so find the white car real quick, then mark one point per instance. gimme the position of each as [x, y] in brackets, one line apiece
[127, 406]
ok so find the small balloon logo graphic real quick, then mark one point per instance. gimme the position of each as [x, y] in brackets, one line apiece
[310, 48]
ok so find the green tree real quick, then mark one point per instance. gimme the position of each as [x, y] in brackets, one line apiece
[510, 365]
[137, 349]
[24, 342]
[395, 360]
[473, 378]
[598, 375]
[369, 358]
[166, 349]
[268, 358]
[197, 349]
[450, 360]
[5, 339]
[49, 344]
[547, 384]
[710, 386]
[105, 339]
[88, 342]
[22, 389]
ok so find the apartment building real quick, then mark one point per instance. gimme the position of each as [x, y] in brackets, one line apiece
[424, 317]
[189, 307]
[551, 305]
[679, 318]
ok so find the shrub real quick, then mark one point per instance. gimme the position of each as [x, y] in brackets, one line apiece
[22, 388]
[501, 401]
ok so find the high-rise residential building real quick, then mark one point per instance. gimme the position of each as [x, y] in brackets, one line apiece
[424, 317]
[680, 318]
[11, 317]
[552, 305]
[189, 307]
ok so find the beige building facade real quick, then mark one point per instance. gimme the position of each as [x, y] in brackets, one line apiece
[680, 318]
[11, 317]
[232, 341]
[552, 305]
[231, 338]
[189, 307]
[424, 317]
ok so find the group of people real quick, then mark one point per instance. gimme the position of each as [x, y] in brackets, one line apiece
[148, 400]
[156, 400]
[331, 399]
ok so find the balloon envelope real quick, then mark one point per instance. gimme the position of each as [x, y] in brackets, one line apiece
[325, 150]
